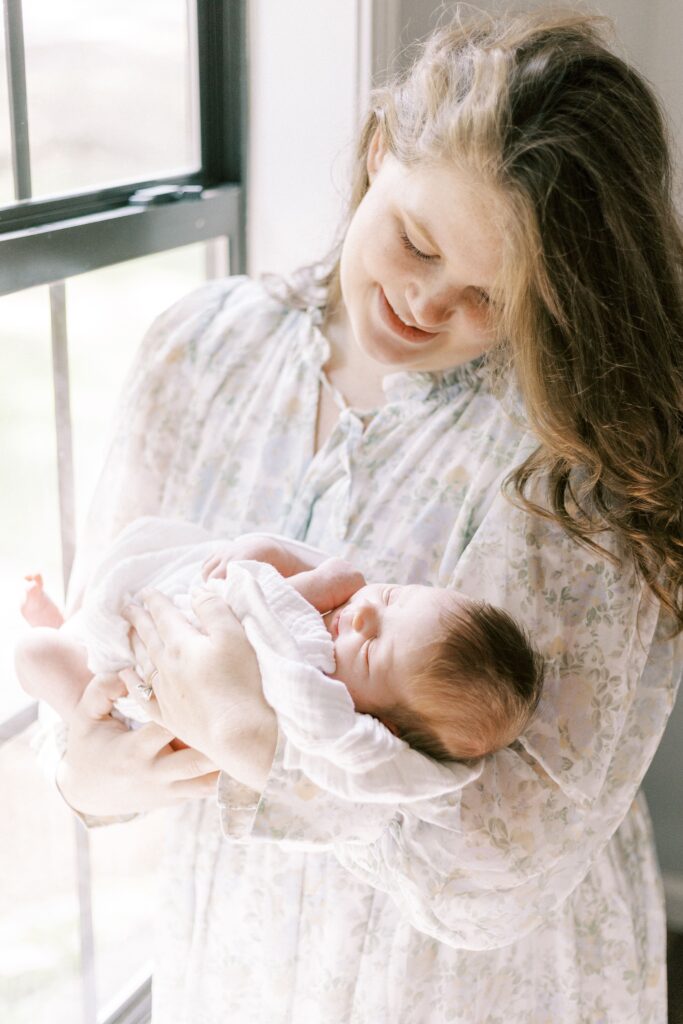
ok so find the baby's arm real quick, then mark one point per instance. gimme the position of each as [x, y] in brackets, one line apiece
[53, 667]
[288, 557]
[330, 584]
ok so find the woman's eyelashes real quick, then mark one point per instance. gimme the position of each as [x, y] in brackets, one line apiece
[481, 299]
[414, 251]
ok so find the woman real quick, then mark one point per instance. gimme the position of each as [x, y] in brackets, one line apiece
[507, 312]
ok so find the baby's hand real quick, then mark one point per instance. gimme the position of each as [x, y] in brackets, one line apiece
[333, 583]
[256, 547]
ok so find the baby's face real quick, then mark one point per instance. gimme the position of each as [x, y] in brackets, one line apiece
[383, 636]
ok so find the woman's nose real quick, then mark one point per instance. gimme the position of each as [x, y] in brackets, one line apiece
[430, 308]
[365, 619]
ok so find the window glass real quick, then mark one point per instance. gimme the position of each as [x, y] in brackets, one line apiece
[40, 961]
[29, 510]
[39, 941]
[125, 861]
[6, 183]
[108, 312]
[111, 93]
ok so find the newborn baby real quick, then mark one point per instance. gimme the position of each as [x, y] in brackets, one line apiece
[450, 676]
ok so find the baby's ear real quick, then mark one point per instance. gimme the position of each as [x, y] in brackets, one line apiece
[391, 727]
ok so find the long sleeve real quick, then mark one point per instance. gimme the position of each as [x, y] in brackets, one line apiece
[482, 865]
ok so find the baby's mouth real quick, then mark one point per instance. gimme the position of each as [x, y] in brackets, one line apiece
[333, 619]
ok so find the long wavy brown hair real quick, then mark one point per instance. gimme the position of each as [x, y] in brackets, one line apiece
[590, 298]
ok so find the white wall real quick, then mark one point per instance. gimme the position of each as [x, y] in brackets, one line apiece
[303, 94]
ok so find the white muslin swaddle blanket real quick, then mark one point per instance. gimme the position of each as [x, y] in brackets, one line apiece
[350, 754]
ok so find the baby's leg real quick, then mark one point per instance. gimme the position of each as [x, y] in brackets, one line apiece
[52, 667]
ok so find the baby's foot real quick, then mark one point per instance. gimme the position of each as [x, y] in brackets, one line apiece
[37, 608]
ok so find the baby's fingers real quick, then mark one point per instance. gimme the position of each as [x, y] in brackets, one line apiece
[209, 565]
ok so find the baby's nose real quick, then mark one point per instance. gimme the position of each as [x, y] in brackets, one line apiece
[365, 619]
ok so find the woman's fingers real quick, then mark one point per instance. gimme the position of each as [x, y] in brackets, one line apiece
[167, 622]
[100, 694]
[213, 612]
[132, 684]
[146, 629]
[187, 764]
[154, 737]
[196, 789]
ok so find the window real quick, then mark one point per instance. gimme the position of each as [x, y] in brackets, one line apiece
[121, 128]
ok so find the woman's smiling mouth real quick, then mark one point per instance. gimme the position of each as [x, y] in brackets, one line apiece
[393, 321]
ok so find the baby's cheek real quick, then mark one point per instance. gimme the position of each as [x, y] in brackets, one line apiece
[344, 673]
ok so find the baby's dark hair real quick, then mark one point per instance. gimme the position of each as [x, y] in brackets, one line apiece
[477, 691]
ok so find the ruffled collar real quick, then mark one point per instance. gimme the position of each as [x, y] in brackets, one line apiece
[406, 385]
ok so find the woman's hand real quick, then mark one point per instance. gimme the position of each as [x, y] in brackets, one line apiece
[109, 770]
[207, 686]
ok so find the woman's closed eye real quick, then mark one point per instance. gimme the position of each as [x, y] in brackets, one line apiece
[414, 251]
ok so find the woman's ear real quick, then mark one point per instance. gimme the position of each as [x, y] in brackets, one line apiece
[377, 150]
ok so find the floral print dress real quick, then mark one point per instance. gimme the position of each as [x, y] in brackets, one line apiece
[528, 892]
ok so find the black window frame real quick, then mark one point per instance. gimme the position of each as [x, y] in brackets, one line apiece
[48, 240]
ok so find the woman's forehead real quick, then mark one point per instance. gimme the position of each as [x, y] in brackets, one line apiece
[462, 216]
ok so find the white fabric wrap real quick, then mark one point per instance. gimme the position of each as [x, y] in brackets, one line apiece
[351, 755]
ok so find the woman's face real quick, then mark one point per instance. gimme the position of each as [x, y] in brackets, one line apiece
[417, 265]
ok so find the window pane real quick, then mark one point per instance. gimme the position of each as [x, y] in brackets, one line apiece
[29, 510]
[108, 311]
[125, 872]
[6, 183]
[39, 942]
[40, 965]
[107, 314]
[110, 92]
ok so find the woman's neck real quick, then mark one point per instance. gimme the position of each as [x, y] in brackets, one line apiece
[349, 369]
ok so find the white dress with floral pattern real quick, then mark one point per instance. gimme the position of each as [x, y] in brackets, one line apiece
[528, 894]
